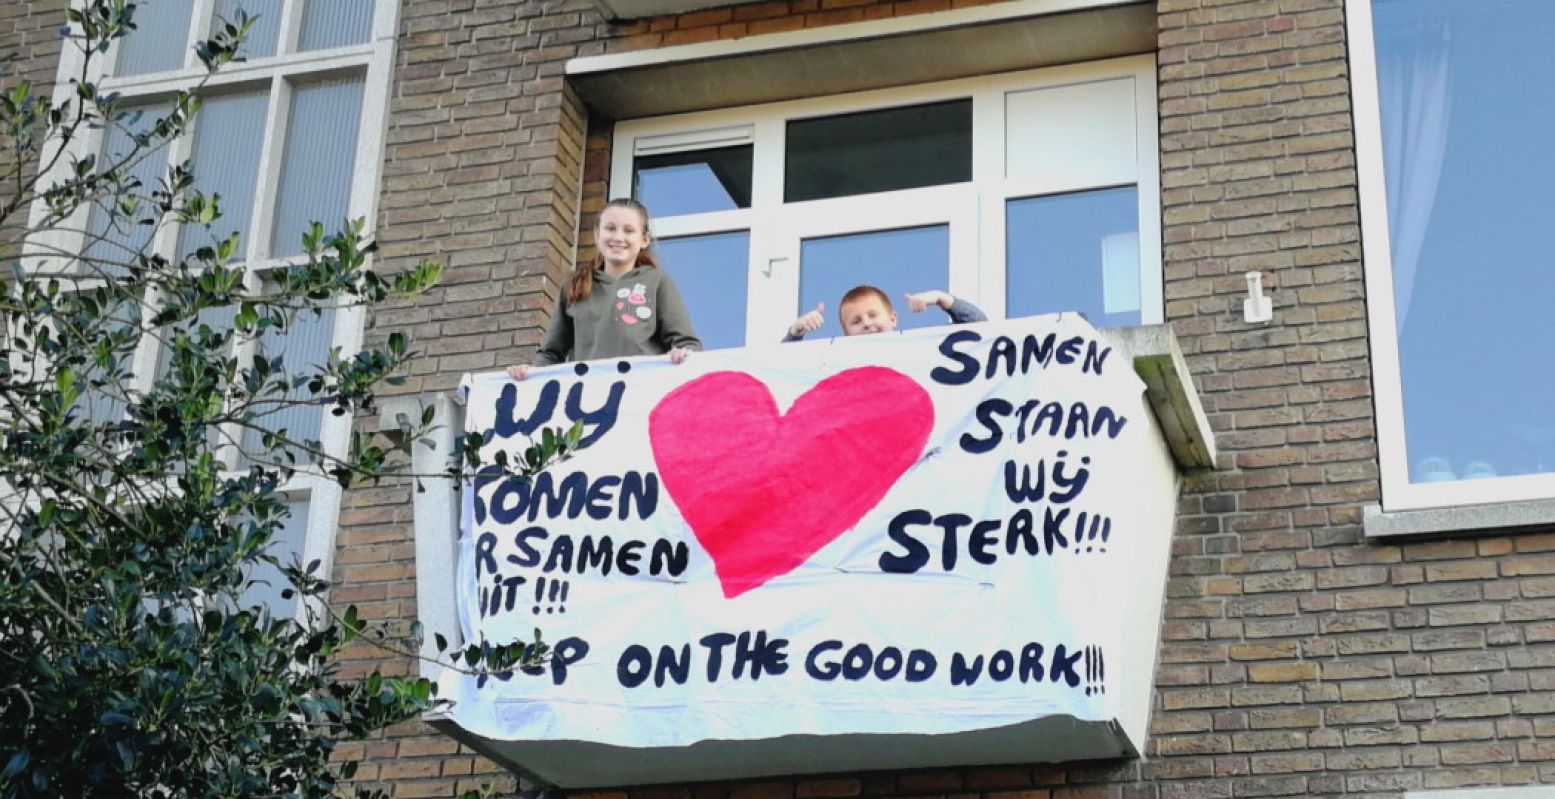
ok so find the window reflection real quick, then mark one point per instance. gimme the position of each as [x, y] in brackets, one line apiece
[711, 273]
[1074, 252]
[873, 151]
[895, 261]
[286, 546]
[694, 182]
[1468, 169]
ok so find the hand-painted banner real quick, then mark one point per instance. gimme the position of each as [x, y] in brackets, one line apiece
[928, 532]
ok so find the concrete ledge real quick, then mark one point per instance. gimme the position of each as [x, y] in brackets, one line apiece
[1490, 518]
[1169, 390]
[435, 508]
[861, 56]
[584, 765]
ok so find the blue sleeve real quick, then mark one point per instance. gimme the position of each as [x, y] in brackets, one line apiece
[963, 312]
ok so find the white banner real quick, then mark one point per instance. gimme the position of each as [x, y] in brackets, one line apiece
[928, 532]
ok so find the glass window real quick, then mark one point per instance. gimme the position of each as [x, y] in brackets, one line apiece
[316, 153]
[229, 132]
[113, 248]
[694, 182]
[886, 196]
[217, 320]
[1072, 133]
[160, 40]
[261, 39]
[320, 158]
[897, 262]
[1074, 252]
[1466, 102]
[286, 546]
[711, 273]
[304, 346]
[104, 403]
[335, 23]
[873, 151]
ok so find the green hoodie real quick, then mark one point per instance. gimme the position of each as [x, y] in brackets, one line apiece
[639, 313]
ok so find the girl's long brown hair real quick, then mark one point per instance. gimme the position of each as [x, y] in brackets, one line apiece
[582, 281]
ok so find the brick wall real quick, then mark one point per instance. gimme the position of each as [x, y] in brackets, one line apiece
[1297, 658]
[29, 51]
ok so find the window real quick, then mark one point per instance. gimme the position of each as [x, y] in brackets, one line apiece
[1026, 193]
[292, 134]
[1453, 99]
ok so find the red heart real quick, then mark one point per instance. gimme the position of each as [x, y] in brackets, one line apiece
[762, 491]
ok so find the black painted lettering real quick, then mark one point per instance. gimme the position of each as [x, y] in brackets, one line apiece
[966, 364]
[917, 555]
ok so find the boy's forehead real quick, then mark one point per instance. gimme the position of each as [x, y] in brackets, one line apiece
[861, 304]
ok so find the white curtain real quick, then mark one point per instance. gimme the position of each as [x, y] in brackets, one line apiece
[1415, 85]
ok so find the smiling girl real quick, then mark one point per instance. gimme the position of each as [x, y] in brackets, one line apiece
[620, 304]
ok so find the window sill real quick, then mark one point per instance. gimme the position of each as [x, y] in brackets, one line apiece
[1497, 517]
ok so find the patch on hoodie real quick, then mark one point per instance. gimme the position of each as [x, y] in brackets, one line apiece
[632, 304]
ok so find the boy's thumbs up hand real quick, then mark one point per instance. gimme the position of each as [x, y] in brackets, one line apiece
[810, 322]
[923, 299]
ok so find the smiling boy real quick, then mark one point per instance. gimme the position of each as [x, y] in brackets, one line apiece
[866, 309]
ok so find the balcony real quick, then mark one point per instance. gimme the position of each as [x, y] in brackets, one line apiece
[994, 598]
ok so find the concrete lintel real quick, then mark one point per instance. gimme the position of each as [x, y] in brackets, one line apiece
[1496, 517]
[868, 55]
[1170, 392]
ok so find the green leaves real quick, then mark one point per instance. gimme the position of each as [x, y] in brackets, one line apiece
[142, 393]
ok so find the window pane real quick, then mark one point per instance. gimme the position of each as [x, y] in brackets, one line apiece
[319, 162]
[894, 148]
[261, 38]
[303, 347]
[286, 545]
[160, 39]
[1467, 103]
[111, 247]
[104, 404]
[335, 23]
[1074, 252]
[218, 320]
[228, 134]
[694, 182]
[1072, 137]
[711, 273]
[897, 262]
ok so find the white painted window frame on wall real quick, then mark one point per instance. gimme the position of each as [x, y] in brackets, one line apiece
[975, 210]
[276, 76]
[1398, 493]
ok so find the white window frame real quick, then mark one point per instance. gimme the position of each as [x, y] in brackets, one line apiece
[373, 61]
[1398, 493]
[976, 209]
